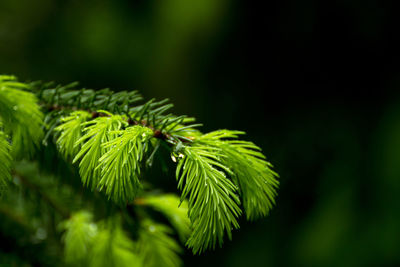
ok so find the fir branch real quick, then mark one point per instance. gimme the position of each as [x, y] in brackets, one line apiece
[71, 132]
[213, 200]
[67, 97]
[150, 114]
[80, 231]
[250, 171]
[5, 161]
[21, 116]
[96, 133]
[109, 134]
[112, 247]
[120, 165]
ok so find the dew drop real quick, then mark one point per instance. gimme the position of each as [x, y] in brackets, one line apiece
[173, 158]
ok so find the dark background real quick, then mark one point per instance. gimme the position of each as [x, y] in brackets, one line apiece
[314, 83]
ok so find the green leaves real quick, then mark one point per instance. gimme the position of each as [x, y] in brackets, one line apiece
[113, 141]
[250, 171]
[78, 238]
[217, 173]
[213, 200]
[71, 131]
[120, 165]
[110, 157]
[97, 244]
[212, 171]
[112, 247]
[21, 116]
[87, 243]
[5, 160]
[21, 123]
[67, 97]
[96, 133]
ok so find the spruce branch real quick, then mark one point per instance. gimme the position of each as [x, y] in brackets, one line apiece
[120, 165]
[80, 231]
[71, 132]
[113, 247]
[21, 116]
[250, 171]
[95, 133]
[106, 243]
[5, 161]
[114, 137]
[213, 200]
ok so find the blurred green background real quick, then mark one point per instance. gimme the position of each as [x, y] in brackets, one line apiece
[314, 83]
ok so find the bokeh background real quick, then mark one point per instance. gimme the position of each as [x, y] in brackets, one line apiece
[314, 83]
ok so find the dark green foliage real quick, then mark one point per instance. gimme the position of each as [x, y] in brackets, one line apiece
[106, 244]
[21, 116]
[5, 160]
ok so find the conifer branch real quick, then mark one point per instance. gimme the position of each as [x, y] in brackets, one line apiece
[78, 238]
[250, 171]
[213, 200]
[114, 137]
[120, 165]
[21, 116]
[5, 161]
[95, 134]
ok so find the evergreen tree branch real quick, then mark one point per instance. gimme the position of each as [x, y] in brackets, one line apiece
[96, 133]
[112, 247]
[250, 171]
[21, 116]
[213, 200]
[5, 161]
[71, 132]
[114, 137]
[80, 232]
[120, 165]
